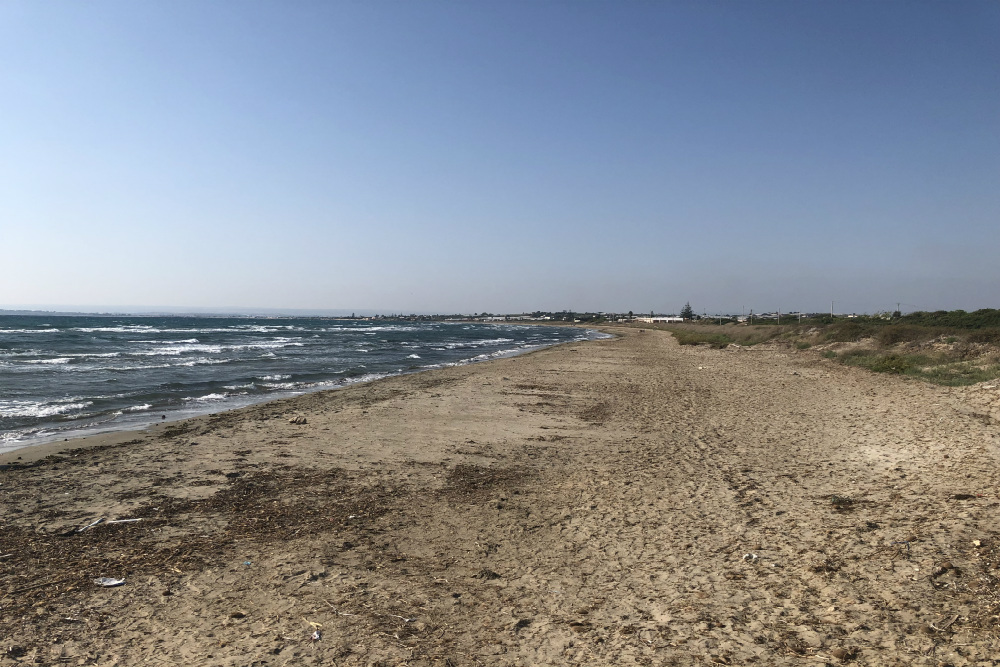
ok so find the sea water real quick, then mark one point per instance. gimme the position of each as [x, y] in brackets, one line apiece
[70, 376]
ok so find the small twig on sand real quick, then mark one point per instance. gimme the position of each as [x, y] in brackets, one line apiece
[90, 525]
[339, 613]
[405, 620]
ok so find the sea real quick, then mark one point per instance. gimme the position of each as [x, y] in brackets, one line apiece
[64, 377]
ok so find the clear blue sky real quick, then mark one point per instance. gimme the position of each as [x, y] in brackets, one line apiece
[500, 156]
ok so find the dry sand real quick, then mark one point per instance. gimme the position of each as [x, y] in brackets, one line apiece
[615, 502]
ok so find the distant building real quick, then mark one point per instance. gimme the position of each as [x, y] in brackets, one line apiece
[659, 318]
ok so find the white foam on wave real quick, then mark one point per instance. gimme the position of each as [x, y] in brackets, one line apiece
[237, 387]
[15, 408]
[373, 329]
[59, 360]
[201, 362]
[413, 356]
[206, 398]
[133, 328]
[174, 350]
[284, 385]
[470, 344]
[139, 408]
[27, 331]
[268, 345]
[273, 378]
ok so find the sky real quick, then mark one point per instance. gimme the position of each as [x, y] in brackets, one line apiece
[508, 156]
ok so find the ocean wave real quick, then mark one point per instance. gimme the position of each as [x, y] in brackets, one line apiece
[128, 329]
[284, 385]
[413, 356]
[58, 360]
[174, 350]
[201, 362]
[377, 328]
[138, 408]
[27, 331]
[470, 344]
[15, 408]
[206, 398]
[147, 367]
[237, 387]
[273, 378]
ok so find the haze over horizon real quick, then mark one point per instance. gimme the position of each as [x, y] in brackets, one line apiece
[441, 157]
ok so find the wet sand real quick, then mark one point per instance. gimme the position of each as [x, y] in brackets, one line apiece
[613, 502]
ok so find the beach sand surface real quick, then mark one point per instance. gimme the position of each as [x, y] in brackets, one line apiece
[625, 501]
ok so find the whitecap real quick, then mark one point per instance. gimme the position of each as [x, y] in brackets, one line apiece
[15, 408]
[206, 397]
[26, 331]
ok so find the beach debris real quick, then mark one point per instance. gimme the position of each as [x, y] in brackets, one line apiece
[487, 575]
[248, 563]
[2, 556]
[297, 420]
[842, 653]
[336, 611]
[90, 525]
[316, 635]
[977, 543]
[403, 618]
[108, 582]
[750, 558]
[943, 568]
[123, 521]
[944, 626]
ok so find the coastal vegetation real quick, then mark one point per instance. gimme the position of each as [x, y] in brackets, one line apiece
[951, 348]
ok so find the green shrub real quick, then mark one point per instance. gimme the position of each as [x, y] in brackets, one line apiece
[899, 333]
[988, 336]
[892, 363]
[849, 332]
[803, 345]
[829, 354]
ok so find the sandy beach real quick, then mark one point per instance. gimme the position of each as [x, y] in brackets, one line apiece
[612, 502]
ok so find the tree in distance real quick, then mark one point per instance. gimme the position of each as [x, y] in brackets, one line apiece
[687, 312]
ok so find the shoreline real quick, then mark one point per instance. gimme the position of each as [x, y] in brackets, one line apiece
[106, 435]
[617, 501]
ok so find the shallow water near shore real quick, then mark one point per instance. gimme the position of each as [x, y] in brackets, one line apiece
[65, 377]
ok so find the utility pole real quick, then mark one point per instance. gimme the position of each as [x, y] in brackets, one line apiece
[831, 309]
[779, 314]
